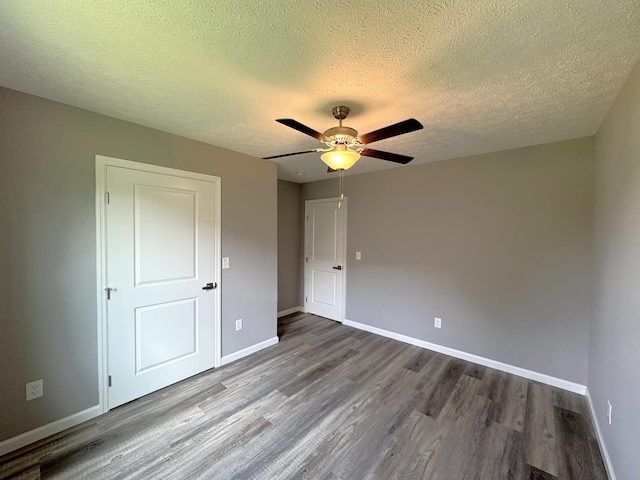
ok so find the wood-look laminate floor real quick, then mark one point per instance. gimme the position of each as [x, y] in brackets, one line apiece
[331, 402]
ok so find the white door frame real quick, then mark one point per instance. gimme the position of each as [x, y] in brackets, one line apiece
[102, 163]
[344, 251]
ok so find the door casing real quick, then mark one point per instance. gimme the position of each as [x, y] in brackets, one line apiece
[307, 203]
[101, 163]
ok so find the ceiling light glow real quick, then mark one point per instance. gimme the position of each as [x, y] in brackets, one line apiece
[340, 158]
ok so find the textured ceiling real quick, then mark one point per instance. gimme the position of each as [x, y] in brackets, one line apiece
[480, 75]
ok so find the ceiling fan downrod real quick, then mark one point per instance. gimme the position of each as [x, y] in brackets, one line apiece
[342, 135]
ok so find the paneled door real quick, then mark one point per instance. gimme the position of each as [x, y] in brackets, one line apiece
[324, 258]
[161, 278]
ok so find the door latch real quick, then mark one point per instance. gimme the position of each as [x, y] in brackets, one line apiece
[210, 286]
[339, 267]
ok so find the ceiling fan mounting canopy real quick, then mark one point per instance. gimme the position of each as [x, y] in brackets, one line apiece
[340, 112]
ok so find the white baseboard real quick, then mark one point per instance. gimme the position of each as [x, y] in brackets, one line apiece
[470, 357]
[45, 431]
[603, 447]
[289, 311]
[248, 351]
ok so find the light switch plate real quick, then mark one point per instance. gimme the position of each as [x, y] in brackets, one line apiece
[225, 262]
[358, 255]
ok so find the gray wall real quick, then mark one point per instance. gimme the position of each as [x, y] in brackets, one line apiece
[497, 245]
[290, 251]
[48, 247]
[614, 355]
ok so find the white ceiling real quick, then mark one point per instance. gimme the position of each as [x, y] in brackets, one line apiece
[481, 75]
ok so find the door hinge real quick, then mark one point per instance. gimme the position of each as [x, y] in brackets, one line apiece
[306, 299]
[106, 198]
[307, 218]
[109, 380]
[306, 259]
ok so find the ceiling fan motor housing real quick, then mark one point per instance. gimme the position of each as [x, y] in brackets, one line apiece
[342, 135]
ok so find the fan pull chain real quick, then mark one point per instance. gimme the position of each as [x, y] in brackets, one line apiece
[341, 188]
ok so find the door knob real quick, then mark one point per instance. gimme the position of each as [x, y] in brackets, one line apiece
[210, 286]
[339, 267]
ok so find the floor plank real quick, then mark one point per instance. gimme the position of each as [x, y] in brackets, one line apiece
[503, 455]
[331, 402]
[476, 371]
[419, 360]
[443, 384]
[512, 403]
[493, 383]
[540, 433]
[403, 454]
[575, 460]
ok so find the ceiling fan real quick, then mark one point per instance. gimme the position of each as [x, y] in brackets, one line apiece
[344, 145]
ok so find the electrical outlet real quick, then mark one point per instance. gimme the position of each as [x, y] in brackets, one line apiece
[238, 324]
[34, 390]
[437, 322]
[358, 255]
[609, 408]
[225, 262]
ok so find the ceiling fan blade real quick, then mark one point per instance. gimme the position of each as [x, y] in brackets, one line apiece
[394, 130]
[289, 154]
[290, 122]
[392, 157]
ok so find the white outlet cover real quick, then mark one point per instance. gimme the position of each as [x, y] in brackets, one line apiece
[437, 322]
[34, 390]
[225, 262]
[358, 255]
[238, 324]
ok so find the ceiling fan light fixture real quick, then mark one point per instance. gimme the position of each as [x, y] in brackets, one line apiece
[340, 158]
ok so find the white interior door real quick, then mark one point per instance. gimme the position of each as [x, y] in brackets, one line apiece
[325, 258]
[161, 250]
